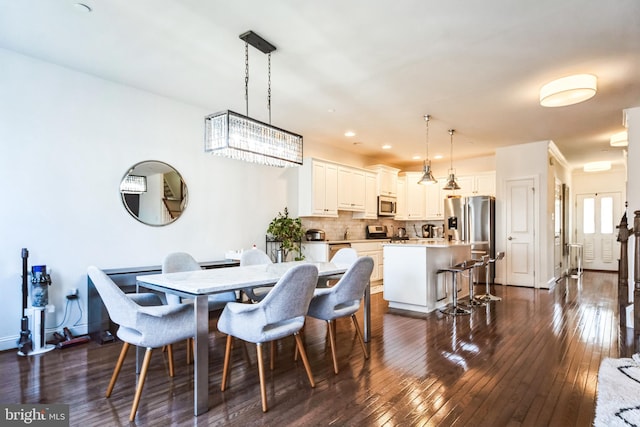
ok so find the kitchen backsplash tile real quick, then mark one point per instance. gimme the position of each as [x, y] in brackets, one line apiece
[335, 227]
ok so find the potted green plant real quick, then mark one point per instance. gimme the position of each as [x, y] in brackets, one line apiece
[288, 232]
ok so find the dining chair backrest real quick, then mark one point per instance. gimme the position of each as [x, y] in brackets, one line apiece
[179, 261]
[254, 256]
[345, 256]
[122, 310]
[350, 288]
[290, 297]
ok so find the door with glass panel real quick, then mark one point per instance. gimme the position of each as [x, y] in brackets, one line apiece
[597, 215]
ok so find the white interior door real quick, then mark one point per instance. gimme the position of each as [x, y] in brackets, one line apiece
[597, 214]
[520, 233]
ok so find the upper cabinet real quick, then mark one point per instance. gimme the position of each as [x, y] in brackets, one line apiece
[401, 206]
[481, 184]
[351, 189]
[415, 196]
[318, 189]
[387, 180]
[370, 197]
[435, 199]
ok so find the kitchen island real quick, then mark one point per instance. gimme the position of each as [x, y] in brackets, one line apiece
[411, 279]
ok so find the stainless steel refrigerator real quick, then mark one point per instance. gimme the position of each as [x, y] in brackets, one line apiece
[472, 220]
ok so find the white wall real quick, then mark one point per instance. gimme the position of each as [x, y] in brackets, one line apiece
[67, 139]
[525, 161]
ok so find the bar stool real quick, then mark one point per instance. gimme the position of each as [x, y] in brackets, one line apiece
[487, 296]
[454, 310]
[483, 262]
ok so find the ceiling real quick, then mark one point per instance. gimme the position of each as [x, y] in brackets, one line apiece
[375, 68]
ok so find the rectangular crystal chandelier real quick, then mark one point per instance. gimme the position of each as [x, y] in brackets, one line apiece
[239, 137]
[134, 184]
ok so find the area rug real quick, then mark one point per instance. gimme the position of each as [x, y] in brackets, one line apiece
[618, 402]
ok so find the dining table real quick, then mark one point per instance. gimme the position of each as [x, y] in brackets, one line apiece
[199, 284]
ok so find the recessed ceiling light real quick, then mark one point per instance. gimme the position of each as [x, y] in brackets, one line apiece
[81, 7]
[438, 156]
[386, 146]
[416, 157]
[597, 166]
[349, 133]
[331, 110]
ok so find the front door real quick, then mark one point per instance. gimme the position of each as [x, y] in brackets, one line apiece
[597, 214]
[520, 257]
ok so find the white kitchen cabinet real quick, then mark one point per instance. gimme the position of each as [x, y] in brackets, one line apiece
[370, 197]
[318, 189]
[466, 186]
[485, 184]
[401, 201]
[387, 179]
[415, 196]
[374, 250]
[481, 184]
[434, 197]
[351, 189]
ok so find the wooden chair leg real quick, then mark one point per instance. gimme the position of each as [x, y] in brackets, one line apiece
[364, 347]
[116, 371]
[170, 356]
[332, 344]
[226, 366]
[263, 390]
[143, 376]
[303, 355]
[189, 351]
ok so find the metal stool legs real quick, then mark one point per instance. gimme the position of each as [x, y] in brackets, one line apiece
[487, 297]
[454, 310]
[473, 301]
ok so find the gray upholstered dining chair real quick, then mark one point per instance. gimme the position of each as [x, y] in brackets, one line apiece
[281, 313]
[343, 300]
[177, 262]
[144, 326]
[344, 256]
[255, 256]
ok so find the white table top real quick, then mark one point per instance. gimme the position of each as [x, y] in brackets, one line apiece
[201, 282]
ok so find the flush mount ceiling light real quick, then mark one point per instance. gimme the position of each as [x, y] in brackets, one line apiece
[597, 166]
[240, 137]
[620, 139]
[568, 90]
[427, 176]
[134, 184]
[451, 181]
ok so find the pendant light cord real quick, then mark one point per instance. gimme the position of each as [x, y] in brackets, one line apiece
[426, 119]
[269, 89]
[246, 78]
[451, 138]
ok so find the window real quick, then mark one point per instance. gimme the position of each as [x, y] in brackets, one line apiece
[589, 216]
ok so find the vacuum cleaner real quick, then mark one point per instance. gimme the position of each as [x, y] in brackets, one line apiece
[40, 282]
[25, 345]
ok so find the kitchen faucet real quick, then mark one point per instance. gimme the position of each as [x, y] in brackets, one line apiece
[346, 233]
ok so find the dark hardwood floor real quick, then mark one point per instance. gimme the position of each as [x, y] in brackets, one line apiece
[529, 360]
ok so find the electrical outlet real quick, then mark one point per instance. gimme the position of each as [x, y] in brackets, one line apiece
[72, 294]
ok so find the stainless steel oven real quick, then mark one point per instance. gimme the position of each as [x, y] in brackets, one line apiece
[387, 206]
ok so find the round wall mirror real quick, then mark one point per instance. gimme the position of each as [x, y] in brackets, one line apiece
[154, 193]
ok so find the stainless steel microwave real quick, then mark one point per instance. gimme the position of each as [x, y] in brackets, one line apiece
[387, 206]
